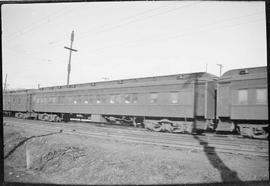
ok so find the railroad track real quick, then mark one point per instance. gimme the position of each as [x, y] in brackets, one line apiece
[209, 144]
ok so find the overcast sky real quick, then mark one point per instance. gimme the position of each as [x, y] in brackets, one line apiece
[119, 40]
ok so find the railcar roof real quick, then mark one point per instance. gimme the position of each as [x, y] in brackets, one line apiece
[20, 91]
[242, 71]
[187, 76]
[244, 74]
[197, 75]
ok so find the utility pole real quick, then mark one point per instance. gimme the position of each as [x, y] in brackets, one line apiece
[70, 50]
[5, 85]
[206, 67]
[220, 69]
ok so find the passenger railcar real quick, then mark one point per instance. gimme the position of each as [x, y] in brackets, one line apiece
[235, 102]
[17, 101]
[242, 103]
[184, 99]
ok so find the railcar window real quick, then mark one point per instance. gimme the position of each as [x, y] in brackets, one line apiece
[79, 99]
[243, 96]
[153, 97]
[74, 98]
[103, 98]
[174, 97]
[98, 100]
[134, 98]
[261, 96]
[127, 98]
[118, 98]
[112, 99]
[53, 99]
[85, 99]
[49, 100]
[115, 98]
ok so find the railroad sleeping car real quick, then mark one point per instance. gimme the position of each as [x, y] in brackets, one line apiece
[242, 103]
[184, 99]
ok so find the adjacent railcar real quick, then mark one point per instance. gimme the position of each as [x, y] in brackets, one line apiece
[17, 101]
[242, 103]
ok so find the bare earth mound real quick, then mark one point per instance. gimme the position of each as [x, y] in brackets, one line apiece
[69, 159]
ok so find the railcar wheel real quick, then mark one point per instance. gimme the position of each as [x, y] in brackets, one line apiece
[66, 117]
[238, 130]
[46, 118]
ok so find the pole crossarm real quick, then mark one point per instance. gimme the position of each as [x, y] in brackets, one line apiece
[71, 49]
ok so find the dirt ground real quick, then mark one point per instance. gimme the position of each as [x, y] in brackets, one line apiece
[69, 159]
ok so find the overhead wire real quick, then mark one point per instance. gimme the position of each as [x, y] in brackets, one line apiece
[139, 19]
[38, 23]
[126, 44]
[27, 55]
[58, 43]
[115, 26]
[166, 37]
[129, 20]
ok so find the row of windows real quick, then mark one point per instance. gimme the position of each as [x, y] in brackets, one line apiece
[15, 99]
[260, 96]
[100, 98]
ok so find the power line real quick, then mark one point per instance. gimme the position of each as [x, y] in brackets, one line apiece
[127, 21]
[168, 37]
[136, 20]
[27, 56]
[38, 23]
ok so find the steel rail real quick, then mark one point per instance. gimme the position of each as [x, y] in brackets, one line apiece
[137, 131]
[149, 140]
[211, 141]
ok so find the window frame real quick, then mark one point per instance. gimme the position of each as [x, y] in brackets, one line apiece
[240, 101]
[127, 98]
[264, 102]
[153, 97]
[172, 97]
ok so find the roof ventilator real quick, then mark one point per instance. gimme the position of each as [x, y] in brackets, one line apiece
[181, 76]
[243, 72]
[120, 82]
